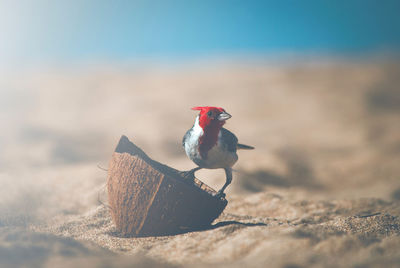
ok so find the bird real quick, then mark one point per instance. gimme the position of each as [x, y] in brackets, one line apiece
[211, 146]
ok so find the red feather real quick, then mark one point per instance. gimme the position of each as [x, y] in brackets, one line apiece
[211, 127]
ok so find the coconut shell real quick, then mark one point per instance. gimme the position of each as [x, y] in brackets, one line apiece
[147, 198]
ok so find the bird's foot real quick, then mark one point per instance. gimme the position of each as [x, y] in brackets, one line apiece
[220, 194]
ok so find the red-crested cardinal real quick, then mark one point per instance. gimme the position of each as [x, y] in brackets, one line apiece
[211, 146]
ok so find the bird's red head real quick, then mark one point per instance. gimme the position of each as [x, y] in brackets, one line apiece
[212, 116]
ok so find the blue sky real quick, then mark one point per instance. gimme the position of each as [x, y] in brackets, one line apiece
[79, 30]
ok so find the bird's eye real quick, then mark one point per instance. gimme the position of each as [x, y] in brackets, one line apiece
[209, 113]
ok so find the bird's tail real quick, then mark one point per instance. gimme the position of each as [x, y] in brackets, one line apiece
[244, 147]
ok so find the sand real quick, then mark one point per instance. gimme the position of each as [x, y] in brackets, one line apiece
[321, 189]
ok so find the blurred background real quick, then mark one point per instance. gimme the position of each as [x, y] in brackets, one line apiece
[41, 33]
[313, 85]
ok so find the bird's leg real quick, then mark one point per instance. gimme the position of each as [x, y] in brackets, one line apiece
[228, 172]
[190, 174]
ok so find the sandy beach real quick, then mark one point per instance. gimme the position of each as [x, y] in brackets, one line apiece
[321, 189]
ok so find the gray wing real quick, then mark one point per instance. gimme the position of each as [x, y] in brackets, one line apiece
[229, 140]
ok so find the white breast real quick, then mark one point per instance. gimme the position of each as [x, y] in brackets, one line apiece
[220, 157]
[192, 142]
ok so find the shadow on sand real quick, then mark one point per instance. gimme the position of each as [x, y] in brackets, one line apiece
[190, 230]
[299, 173]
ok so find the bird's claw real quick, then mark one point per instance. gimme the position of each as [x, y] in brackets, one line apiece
[220, 195]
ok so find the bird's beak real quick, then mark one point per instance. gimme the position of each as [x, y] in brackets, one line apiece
[223, 116]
